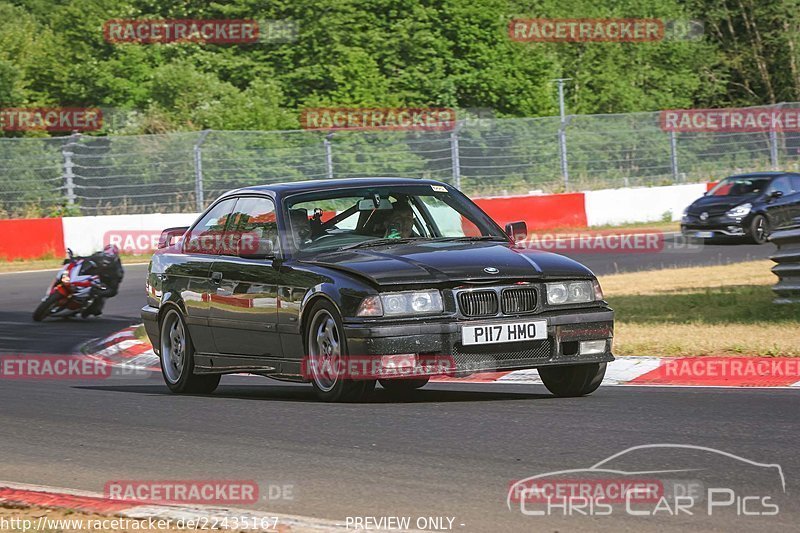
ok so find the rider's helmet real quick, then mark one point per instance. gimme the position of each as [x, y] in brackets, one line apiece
[111, 250]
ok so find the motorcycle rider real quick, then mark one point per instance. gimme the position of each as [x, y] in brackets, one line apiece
[108, 266]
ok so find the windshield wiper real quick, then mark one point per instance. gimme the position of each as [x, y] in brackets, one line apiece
[474, 238]
[381, 242]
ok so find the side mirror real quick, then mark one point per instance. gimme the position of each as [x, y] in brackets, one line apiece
[776, 194]
[170, 236]
[517, 230]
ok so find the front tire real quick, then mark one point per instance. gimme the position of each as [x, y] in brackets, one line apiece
[327, 349]
[573, 380]
[44, 309]
[759, 229]
[177, 358]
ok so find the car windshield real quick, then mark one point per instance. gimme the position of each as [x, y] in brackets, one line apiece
[740, 186]
[382, 216]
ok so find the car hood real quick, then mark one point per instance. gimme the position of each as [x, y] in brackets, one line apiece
[439, 262]
[715, 205]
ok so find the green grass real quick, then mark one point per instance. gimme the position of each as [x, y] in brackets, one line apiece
[718, 310]
[741, 304]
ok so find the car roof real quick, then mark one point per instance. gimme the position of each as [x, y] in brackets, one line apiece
[294, 187]
[764, 174]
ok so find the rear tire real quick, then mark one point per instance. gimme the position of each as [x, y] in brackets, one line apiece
[43, 309]
[326, 347]
[177, 358]
[573, 380]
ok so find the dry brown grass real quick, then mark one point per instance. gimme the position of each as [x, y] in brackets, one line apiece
[719, 310]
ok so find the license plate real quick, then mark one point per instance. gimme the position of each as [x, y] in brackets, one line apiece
[703, 234]
[532, 330]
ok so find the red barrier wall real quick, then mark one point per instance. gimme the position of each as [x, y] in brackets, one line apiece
[31, 238]
[550, 211]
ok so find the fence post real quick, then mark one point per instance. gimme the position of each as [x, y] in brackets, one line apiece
[69, 175]
[562, 132]
[673, 156]
[199, 193]
[328, 155]
[562, 150]
[455, 156]
[773, 148]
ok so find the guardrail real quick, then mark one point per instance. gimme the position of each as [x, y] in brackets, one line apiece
[788, 265]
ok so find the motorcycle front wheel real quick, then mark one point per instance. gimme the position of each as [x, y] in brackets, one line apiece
[45, 309]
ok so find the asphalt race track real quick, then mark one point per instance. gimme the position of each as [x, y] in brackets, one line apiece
[450, 450]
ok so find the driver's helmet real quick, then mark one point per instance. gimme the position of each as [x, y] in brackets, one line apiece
[111, 250]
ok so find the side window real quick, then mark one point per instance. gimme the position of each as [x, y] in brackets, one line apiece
[254, 229]
[795, 180]
[781, 184]
[206, 236]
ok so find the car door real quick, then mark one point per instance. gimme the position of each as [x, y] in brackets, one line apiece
[793, 217]
[244, 302]
[779, 208]
[191, 276]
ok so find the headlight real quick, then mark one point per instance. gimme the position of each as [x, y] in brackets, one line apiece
[401, 304]
[573, 292]
[740, 211]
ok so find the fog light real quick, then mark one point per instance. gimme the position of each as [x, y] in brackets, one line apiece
[593, 347]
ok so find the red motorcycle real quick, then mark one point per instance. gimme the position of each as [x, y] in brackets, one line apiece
[73, 291]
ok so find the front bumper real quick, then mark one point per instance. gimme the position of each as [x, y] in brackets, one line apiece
[565, 331]
[716, 226]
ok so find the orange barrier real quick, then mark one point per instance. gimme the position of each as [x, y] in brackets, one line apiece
[31, 238]
[550, 211]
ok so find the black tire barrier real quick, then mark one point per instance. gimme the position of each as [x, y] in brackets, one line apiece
[787, 268]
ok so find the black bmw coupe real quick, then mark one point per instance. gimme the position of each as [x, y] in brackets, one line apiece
[342, 283]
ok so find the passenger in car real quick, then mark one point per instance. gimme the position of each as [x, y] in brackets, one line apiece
[400, 224]
[301, 227]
